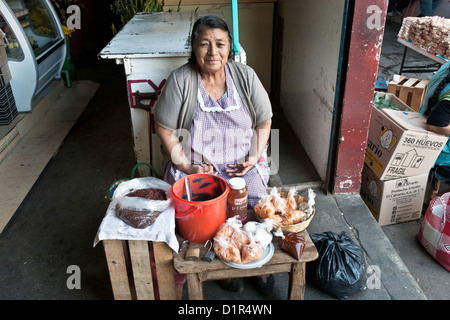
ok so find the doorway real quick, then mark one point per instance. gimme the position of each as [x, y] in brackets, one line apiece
[310, 46]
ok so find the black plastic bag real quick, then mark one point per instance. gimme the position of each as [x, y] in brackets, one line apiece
[339, 270]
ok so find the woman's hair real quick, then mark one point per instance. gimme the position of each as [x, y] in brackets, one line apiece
[211, 22]
[433, 100]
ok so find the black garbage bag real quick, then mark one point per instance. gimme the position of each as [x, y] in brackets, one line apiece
[339, 270]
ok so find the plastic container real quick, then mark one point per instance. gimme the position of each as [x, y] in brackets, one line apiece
[237, 199]
[199, 219]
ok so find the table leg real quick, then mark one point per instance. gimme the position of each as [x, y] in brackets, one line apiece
[117, 266]
[403, 61]
[164, 270]
[142, 273]
[195, 286]
[297, 281]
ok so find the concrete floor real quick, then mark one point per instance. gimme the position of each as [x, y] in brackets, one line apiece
[55, 224]
[31, 141]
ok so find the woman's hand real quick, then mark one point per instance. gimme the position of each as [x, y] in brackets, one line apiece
[240, 169]
[173, 147]
[196, 168]
[262, 133]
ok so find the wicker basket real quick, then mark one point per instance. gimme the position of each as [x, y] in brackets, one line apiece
[298, 227]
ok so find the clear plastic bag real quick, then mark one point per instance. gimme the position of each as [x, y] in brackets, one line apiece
[240, 238]
[226, 249]
[261, 232]
[285, 210]
[233, 243]
[278, 202]
[227, 228]
[251, 251]
[291, 202]
[135, 210]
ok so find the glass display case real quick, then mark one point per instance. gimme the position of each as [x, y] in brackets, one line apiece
[35, 46]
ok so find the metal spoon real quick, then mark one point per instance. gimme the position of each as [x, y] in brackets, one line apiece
[187, 183]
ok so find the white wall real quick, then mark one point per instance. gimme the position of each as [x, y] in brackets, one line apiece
[255, 32]
[311, 43]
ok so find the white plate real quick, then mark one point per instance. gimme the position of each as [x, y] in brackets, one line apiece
[266, 256]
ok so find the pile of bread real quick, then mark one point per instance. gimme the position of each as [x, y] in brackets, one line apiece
[429, 33]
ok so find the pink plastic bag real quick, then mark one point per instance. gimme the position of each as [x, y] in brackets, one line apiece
[434, 233]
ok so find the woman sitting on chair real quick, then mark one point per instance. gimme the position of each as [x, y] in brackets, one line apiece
[437, 111]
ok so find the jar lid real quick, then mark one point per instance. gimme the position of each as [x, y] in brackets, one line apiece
[237, 183]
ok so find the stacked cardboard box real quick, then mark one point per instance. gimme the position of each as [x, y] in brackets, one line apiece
[399, 155]
[8, 110]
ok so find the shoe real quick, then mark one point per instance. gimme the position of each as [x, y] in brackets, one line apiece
[264, 286]
[232, 285]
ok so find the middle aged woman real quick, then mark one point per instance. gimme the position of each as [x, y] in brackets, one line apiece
[214, 116]
[220, 110]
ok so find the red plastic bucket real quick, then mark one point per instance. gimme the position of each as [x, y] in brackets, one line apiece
[199, 219]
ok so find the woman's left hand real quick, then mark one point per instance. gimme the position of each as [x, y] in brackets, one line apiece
[256, 150]
[240, 169]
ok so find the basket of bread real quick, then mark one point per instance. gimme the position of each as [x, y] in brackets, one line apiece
[287, 210]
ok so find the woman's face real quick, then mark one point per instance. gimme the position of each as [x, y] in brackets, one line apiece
[211, 49]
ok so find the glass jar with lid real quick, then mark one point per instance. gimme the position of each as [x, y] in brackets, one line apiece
[237, 199]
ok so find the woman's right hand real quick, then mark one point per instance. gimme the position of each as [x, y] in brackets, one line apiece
[195, 168]
[173, 147]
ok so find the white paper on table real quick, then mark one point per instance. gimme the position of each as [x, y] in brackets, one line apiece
[162, 230]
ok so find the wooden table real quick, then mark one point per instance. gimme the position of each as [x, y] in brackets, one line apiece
[144, 270]
[419, 69]
[198, 272]
[130, 264]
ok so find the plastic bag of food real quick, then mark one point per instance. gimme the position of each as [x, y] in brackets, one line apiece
[240, 238]
[251, 226]
[226, 249]
[141, 200]
[264, 208]
[252, 251]
[294, 244]
[278, 202]
[227, 228]
[285, 210]
[339, 270]
[291, 202]
[260, 231]
[311, 202]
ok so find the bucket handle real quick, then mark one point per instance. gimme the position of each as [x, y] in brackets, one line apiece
[143, 163]
[114, 185]
[184, 215]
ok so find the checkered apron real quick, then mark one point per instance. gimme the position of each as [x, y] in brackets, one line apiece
[221, 134]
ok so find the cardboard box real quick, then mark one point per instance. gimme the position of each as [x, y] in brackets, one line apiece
[393, 201]
[382, 100]
[398, 145]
